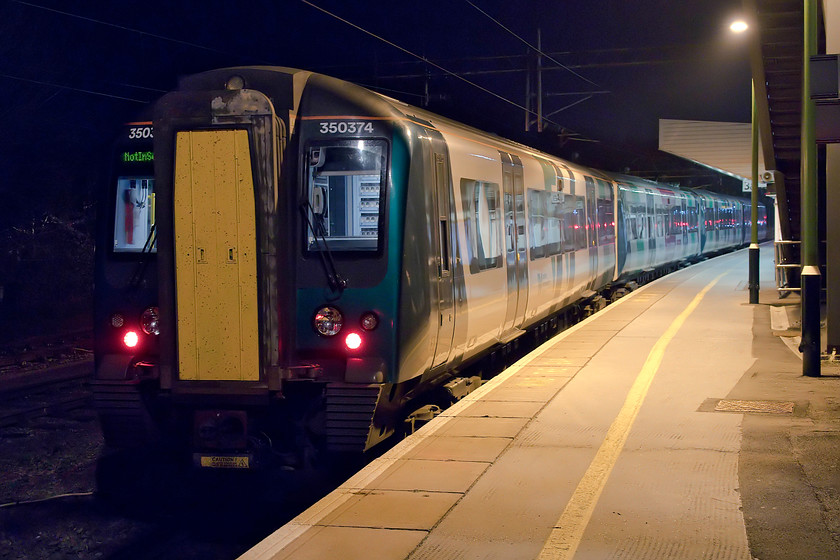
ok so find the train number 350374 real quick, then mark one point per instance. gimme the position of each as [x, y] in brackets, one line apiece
[343, 127]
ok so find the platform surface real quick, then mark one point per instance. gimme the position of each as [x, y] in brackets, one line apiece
[673, 424]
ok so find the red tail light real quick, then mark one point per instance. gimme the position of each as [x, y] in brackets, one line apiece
[353, 341]
[131, 339]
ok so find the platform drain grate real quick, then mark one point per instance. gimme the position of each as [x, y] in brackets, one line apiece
[766, 407]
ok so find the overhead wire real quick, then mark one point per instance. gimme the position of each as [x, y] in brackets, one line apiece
[587, 95]
[115, 26]
[532, 47]
[124, 28]
[427, 61]
[307, 2]
[70, 88]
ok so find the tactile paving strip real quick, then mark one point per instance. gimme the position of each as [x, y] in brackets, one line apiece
[767, 407]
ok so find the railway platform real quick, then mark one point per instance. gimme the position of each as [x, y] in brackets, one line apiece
[675, 423]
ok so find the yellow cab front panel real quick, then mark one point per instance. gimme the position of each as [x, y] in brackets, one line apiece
[215, 257]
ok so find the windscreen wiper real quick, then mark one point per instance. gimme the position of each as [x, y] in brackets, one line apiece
[140, 270]
[334, 279]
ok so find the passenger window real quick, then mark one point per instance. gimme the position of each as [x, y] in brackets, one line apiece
[547, 224]
[482, 220]
[537, 222]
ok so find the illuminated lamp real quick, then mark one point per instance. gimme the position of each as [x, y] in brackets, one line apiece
[131, 339]
[328, 321]
[353, 341]
[739, 26]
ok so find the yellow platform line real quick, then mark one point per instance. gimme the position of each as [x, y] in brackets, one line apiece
[568, 532]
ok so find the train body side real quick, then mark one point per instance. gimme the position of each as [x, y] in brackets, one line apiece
[326, 255]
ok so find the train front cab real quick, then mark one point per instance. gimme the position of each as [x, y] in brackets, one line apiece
[126, 321]
[279, 268]
[218, 201]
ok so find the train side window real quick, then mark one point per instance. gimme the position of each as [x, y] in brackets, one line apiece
[536, 222]
[134, 216]
[554, 236]
[676, 220]
[641, 222]
[546, 223]
[576, 218]
[692, 219]
[482, 221]
[606, 214]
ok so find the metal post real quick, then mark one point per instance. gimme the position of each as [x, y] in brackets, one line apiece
[754, 252]
[831, 19]
[810, 277]
[528, 94]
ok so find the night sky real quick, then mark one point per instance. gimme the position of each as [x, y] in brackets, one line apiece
[72, 72]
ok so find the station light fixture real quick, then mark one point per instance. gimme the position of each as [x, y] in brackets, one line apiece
[739, 26]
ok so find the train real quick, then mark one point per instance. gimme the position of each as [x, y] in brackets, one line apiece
[289, 264]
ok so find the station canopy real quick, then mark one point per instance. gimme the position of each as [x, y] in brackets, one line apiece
[725, 147]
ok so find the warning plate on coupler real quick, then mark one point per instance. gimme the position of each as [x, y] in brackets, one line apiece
[222, 461]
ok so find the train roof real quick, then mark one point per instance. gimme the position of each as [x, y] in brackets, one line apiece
[294, 81]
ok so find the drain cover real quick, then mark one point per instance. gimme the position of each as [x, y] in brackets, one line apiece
[767, 407]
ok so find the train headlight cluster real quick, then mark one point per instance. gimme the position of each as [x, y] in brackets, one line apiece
[328, 321]
[149, 322]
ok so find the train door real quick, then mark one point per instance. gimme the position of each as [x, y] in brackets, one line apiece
[591, 228]
[443, 241]
[650, 203]
[515, 239]
[215, 257]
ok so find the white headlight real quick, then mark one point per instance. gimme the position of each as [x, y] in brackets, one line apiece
[150, 321]
[328, 321]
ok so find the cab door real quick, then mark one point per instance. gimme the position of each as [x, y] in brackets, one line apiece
[442, 236]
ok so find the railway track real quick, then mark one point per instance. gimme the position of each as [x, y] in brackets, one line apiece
[47, 376]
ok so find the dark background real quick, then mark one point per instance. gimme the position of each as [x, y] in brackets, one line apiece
[72, 72]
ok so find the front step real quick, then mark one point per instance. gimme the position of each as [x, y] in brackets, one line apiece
[123, 414]
[350, 417]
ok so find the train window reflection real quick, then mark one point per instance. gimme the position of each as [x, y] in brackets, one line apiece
[345, 190]
[482, 220]
[134, 216]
